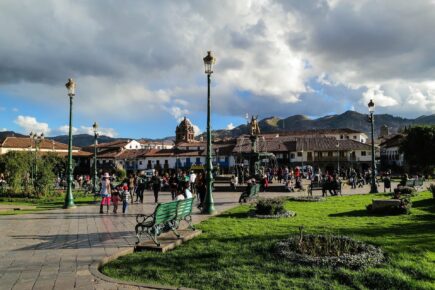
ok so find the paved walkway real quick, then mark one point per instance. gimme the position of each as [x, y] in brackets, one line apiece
[53, 249]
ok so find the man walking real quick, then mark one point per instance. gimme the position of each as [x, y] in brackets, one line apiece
[156, 184]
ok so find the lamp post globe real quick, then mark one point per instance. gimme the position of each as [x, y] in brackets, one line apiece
[69, 199]
[209, 208]
[373, 186]
[95, 173]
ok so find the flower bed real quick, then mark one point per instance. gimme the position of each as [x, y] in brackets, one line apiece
[328, 250]
[286, 214]
[307, 198]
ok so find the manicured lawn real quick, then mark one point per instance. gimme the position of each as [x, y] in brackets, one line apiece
[42, 203]
[235, 252]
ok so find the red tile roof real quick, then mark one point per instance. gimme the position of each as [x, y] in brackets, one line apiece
[25, 142]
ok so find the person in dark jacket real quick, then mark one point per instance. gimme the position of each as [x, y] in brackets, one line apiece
[156, 184]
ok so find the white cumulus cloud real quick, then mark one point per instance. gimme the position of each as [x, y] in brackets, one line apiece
[30, 124]
[230, 126]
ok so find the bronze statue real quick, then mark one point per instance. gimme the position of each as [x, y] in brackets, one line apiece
[255, 129]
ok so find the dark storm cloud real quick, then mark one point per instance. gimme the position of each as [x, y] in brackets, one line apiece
[151, 52]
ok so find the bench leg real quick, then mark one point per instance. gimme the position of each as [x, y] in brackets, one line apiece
[173, 225]
[188, 219]
[138, 232]
[154, 235]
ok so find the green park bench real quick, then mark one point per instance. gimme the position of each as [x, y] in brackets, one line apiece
[252, 194]
[415, 183]
[324, 186]
[167, 216]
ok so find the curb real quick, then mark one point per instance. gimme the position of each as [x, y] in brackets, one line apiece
[95, 267]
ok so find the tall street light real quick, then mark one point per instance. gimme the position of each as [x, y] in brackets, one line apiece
[94, 185]
[338, 159]
[209, 60]
[37, 139]
[373, 188]
[69, 199]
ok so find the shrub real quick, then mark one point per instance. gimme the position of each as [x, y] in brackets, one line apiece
[269, 206]
[406, 190]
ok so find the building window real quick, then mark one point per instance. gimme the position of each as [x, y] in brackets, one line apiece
[341, 136]
[292, 155]
[158, 162]
[299, 154]
[330, 154]
[363, 153]
[140, 162]
[354, 137]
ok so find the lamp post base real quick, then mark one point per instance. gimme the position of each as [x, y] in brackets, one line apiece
[374, 189]
[209, 210]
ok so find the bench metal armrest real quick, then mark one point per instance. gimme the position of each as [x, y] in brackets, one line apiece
[141, 218]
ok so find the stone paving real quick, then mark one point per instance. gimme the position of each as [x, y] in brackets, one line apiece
[53, 249]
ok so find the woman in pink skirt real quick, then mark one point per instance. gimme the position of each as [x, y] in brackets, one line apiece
[105, 192]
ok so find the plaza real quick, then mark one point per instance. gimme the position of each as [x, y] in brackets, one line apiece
[59, 249]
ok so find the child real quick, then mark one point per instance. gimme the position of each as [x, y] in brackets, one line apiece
[115, 200]
[124, 197]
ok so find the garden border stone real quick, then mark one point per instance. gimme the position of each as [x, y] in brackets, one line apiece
[371, 256]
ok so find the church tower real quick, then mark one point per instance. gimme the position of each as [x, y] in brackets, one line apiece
[184, 132]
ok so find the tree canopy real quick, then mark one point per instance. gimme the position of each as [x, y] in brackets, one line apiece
[419, 148]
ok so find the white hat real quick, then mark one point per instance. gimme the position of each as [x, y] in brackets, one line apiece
[106, 175]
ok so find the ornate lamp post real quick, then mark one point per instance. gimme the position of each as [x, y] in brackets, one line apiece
[209, 60]
[37, 139]
[94, 184]
[373, 187]
[69, 199]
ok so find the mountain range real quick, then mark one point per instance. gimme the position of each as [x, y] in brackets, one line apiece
[348, 119]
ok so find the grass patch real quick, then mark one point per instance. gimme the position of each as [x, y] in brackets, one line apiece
[236, 252]
[40, 204]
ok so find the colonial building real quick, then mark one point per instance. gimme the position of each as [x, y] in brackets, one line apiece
[390, 153]
[325, 148]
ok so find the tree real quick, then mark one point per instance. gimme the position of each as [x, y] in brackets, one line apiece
[18, 167]
[418, 148]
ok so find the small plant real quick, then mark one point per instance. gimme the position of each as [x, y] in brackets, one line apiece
[431, 188]
[270, 206]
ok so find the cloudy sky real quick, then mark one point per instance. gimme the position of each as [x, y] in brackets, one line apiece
[138, 64]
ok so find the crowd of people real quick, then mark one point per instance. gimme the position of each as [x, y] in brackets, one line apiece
[182, 185]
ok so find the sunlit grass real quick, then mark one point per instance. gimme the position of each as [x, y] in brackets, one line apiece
[235, 251]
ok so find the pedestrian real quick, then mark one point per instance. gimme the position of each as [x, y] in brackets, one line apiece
[116, 199]
[201, 188]
[180, 196]
[131, 184]
[187, 192]
[124, 197]
[141, 185]
[105, 192]
[173, 185]
[192, 178]
[156, 184]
